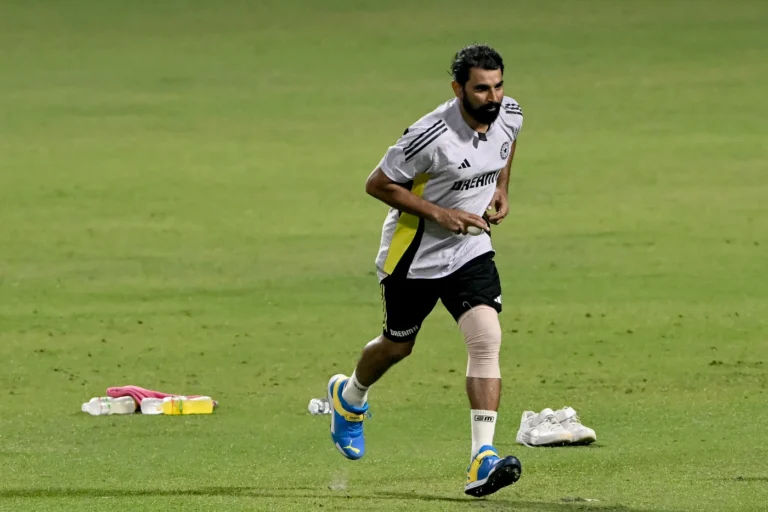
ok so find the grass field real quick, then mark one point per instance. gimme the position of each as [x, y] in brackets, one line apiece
[182, 207]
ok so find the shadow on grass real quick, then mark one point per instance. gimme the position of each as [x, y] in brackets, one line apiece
[66, 492]
[491, 503]
[498, 503]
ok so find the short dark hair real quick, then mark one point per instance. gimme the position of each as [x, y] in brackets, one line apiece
[475, 56]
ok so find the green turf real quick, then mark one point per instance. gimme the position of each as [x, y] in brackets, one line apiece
[182, 207]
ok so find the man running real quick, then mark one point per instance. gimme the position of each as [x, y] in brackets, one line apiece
[446, 181]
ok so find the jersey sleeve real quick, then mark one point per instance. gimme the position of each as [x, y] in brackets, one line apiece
[511, 118]
[412, 153]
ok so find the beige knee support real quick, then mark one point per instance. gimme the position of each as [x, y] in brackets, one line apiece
[482, 334]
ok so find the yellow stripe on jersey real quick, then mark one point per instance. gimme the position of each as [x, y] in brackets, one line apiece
[384, 306]
[405, 232]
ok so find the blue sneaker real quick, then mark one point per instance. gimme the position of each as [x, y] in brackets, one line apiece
[346, 420]
[487, 473]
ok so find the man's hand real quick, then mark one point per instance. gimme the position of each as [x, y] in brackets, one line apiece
[501, 204]
[458, 221]
[397, 196]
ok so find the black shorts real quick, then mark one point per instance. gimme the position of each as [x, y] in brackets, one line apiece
[407, 302]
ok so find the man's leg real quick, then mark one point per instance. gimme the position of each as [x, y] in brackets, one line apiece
[406, 304]
[472, 295]
[487, 472]
[378, 356]
[482, 335]
[484, 393]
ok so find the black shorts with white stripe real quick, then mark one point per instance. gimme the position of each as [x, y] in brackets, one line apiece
[408, 302]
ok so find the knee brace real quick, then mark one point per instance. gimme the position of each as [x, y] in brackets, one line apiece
[482, 334]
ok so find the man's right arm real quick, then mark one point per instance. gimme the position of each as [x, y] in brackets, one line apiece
[395, 195]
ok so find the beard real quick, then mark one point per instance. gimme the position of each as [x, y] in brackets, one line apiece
[484, 114]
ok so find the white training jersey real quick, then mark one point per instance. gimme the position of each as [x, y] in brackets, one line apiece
[441, 159]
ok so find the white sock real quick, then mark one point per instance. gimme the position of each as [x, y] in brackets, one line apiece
[483, 428]
[355, 393]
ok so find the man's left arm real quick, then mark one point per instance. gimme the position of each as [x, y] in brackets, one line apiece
[500, 200]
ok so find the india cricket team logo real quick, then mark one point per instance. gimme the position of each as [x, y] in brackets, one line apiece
[504, 150]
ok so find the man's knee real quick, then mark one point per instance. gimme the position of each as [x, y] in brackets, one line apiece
[482, 334]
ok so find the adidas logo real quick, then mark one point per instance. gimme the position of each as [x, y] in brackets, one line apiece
[465, 165]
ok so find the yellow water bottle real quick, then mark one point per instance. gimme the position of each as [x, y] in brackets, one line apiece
[176, 405]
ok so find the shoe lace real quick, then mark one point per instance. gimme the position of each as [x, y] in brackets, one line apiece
[550, 423]
[573, 420]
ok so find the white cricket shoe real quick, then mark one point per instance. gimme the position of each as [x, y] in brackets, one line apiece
[542, 429]
[569, 420]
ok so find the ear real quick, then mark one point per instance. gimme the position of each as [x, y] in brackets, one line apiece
[458, 90]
